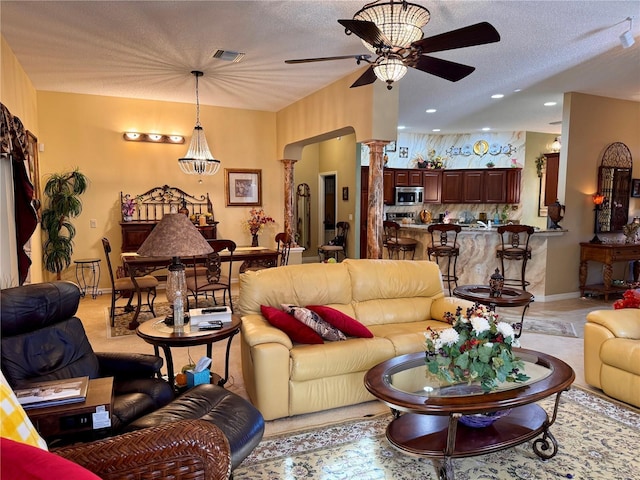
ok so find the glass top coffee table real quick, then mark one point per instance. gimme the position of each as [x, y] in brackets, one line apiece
[426, 413]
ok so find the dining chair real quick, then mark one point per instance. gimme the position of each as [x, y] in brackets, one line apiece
[202, 280]
[283, 242]
[336, 246]
[125, 285]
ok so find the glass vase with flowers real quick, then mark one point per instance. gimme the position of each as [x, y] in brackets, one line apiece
[256, 223]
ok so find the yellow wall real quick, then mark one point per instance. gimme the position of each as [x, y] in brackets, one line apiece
[85, 131]
[590, 124]
[335, 108]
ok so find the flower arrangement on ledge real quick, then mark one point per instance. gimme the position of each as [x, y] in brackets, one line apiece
[257, 220]
[476, 348]
[129, 206]
[630, 299]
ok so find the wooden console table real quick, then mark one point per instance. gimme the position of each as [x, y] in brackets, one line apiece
[608, 254]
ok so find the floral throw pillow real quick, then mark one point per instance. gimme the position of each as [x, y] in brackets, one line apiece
[313, 321]
[343, 322]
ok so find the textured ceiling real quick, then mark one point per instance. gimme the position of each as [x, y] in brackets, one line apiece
[146, 49]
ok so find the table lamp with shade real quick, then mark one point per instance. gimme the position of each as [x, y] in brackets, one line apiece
[175, 236]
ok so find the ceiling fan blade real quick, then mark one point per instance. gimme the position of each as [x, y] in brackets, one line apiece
[367, 31]
[443, 68]
[367, 78]
[359, 58]
[477, 34]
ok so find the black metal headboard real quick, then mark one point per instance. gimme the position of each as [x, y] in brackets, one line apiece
[152, 205]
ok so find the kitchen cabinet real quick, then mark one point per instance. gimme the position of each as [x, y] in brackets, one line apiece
[432, 183]
[407, 178]
[481, 186]
[388, 187]
[452, 186]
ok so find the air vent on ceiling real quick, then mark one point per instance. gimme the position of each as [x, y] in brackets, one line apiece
[228, 56]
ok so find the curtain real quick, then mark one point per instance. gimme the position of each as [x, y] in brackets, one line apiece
[14, 149]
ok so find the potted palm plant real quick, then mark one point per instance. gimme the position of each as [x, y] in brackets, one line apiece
[62, 192]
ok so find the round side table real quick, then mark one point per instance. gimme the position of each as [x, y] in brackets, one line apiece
[88, 275]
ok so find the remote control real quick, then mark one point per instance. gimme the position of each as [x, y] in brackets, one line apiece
[210, 326]
[214, 309]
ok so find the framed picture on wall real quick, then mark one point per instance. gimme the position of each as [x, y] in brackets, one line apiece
[390, 147]
[243, 187]
[345, 193]
[635, 187]
[33, 170]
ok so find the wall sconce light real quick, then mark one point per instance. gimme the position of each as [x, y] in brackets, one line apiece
[556, 145]
[598, 200]
[626, 39]
[152, 137]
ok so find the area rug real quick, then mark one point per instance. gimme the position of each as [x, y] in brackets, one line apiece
[597, 439]
[161, 309]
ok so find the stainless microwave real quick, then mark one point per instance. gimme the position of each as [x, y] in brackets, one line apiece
[409, 195]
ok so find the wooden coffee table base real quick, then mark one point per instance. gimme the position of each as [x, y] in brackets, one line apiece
[442, 437]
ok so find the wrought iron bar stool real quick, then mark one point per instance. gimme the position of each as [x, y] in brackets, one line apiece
[444, 245]
[396, 244]
[515, 246]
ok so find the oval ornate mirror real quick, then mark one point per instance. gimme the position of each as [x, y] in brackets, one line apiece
[614, 182]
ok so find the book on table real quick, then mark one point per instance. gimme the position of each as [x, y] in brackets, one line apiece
[53, 393]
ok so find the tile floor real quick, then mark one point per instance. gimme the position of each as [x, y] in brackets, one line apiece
[93, 315]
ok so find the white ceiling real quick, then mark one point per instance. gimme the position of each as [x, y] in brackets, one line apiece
[146, 49]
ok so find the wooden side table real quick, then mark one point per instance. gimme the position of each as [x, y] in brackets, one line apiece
[160, 335]
[74, 419]
[607, 254]
[510, 298]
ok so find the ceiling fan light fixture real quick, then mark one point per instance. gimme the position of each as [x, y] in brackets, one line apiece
[198, 160]
[389, 70]
[401, 22]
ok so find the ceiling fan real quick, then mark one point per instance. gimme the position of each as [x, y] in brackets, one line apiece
[392, 30]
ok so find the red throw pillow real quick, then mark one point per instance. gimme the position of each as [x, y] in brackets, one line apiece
[342, 321]
[25, 462]
[297, 331]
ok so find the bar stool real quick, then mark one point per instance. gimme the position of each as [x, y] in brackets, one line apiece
[396, 244]
[444, 244]
[515, 246]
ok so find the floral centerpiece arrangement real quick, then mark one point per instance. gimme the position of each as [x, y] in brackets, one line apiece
[630, 299]
[128, 206]
[257, 220]
[476, 348]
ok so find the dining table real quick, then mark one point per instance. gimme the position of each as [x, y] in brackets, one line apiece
[137, 265]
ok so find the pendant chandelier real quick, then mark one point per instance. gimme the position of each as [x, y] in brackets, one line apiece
[198, 160]
[390, 69]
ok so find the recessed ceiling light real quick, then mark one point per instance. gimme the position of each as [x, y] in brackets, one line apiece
[486, 129]
[518, 90]
[431, 110]
[550, 104]
[401, 127]
[435, 130]
[497, 95]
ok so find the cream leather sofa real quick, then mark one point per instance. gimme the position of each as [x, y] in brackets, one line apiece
[612, 353]
[396, 300]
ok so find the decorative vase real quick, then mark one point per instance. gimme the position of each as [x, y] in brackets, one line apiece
[128, 218]
[254, 240]
[482, 420]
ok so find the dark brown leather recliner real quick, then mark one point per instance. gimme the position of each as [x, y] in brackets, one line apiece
[43, 340]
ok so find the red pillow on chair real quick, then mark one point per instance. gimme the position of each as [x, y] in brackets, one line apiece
[343, 322]
[24, 462]
[297, 331]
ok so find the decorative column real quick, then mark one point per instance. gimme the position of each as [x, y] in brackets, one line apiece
[376, 198]
[289, 193]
